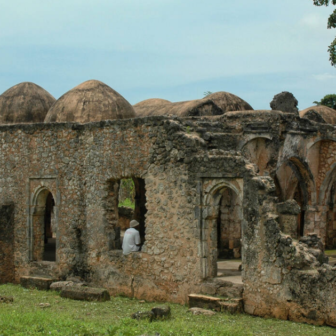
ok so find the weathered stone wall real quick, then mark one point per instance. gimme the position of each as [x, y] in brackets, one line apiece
[7, 243]
[294, 280]
[182, 168]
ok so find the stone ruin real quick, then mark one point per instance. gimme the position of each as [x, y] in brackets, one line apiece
[255, 184]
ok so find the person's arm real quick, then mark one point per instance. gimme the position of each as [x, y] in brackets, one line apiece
[137, 239]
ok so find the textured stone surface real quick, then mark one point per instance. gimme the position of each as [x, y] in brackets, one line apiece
[147, 315]
[203, 301]
[90, 101]
[36, 282]
[285, 102]
[201, 311]
[85, 293]
[182, 167]
[162, 312]
[25, 103]
[6, 299]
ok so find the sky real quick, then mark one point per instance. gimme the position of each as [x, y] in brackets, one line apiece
[170, 49]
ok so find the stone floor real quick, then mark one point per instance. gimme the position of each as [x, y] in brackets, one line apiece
[228, 270]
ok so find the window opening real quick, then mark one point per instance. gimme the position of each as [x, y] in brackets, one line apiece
[126, 201]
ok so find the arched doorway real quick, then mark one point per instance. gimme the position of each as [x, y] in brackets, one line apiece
[44, 227]
[229, 226]
[295, 181]
[221, 225]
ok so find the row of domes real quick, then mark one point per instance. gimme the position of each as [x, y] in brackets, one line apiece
[87, 102]
[95, 101]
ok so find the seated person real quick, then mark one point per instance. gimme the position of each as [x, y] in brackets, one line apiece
[132, 241]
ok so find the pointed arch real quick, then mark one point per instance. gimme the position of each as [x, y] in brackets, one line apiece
[43, 226]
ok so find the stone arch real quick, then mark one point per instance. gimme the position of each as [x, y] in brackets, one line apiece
[327, 208]
[258, 150]
[327, 185]
[297, 182]
[319, 139]
[214, 192]
[43, 226]
[304, 177]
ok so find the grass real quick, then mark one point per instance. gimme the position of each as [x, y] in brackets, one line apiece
[67, 317]
[127, 203]
[330, 252]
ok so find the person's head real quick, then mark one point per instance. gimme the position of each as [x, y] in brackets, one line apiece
[134, 224]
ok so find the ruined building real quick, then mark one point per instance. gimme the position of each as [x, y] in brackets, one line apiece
[212, 178]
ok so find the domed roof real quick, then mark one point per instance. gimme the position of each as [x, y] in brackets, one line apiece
[158, 107]
[229, 102]
[24, 103]
[149, 107]
[88, 102]
[319, 113]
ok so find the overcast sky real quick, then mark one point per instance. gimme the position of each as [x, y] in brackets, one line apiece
[171, 49]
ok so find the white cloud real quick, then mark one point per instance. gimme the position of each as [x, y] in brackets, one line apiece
[324, 77]
[313, 21]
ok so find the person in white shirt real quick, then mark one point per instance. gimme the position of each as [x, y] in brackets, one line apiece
[132, 241]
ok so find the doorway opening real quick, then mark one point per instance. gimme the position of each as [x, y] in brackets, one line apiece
[229, 234]
[298, 197]
[44, 227]
[49, 253]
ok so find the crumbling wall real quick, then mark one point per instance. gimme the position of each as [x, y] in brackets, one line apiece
[283, 277]
[7, 243]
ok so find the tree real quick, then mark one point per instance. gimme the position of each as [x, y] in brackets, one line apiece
[208, 93]
[331, 24]
[328, 100]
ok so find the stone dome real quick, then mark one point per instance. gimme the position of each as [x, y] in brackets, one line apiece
[320, 113]
[88, 102]
[148, 107]
[25, 103]
[229, 102]
[159, 107]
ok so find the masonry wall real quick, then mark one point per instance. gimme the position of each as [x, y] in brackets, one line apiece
[185, 165]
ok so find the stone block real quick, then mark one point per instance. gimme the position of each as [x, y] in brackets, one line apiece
[201, 311]
[234, 306]
[147, 315]
[209, 288]
[58, 286]
[235, 291]
[206, 302]
[290, 207]
[85, 293]
[161, 312]
[6, 299]
[40, 283]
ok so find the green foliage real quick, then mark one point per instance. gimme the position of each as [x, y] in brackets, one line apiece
[331, 24]
[128, 203]
[127, 193]
[112, 318]
[207, 93]
[328, 100]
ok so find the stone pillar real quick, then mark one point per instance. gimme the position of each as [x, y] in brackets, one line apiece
[288, 217]
[316, 221]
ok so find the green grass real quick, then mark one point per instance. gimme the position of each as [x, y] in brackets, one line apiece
[330, 252]
[127, 203]
[67, 317]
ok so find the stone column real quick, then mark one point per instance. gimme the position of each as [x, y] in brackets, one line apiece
[288, 217]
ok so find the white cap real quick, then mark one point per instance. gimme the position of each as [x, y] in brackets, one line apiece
[134, 223]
